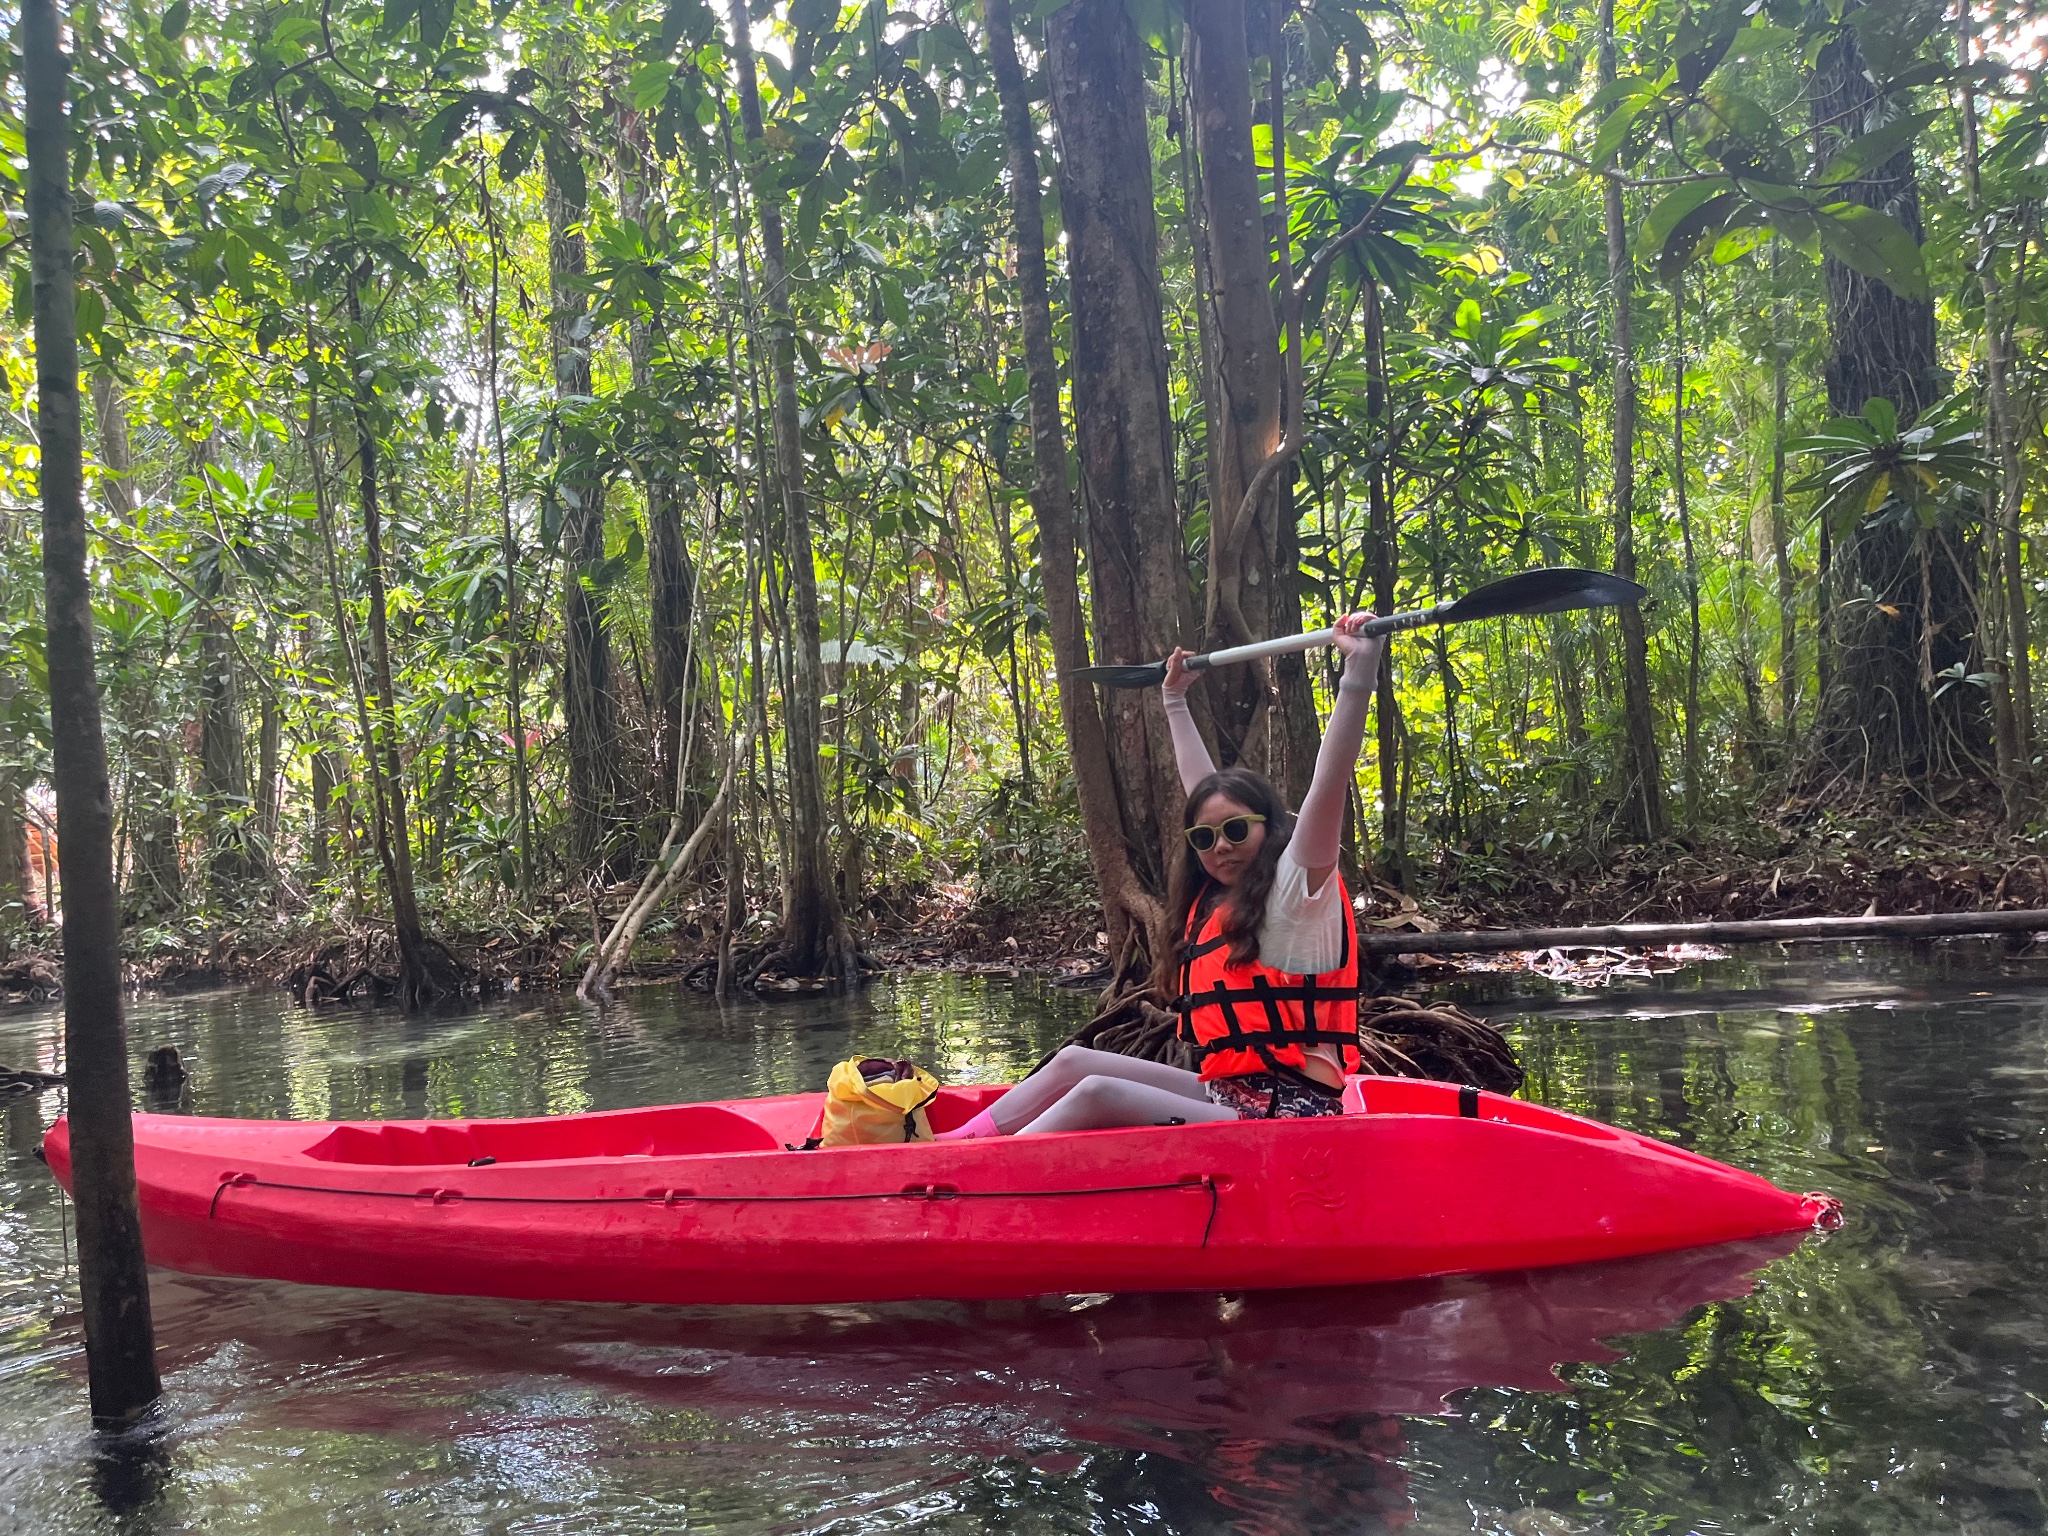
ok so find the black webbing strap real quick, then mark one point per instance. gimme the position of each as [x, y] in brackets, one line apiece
[1468, 1102]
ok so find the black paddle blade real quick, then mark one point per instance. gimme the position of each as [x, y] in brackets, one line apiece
[1149, 675]
[1554, 589]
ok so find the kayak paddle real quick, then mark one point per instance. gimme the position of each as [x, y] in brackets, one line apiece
[1551, 589]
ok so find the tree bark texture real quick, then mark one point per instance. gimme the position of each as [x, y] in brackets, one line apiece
[120, 1342]
[1143, 606]
[2013, 659]
[600, 792]
[1643, 799]
[1902, 608]
[223, 765]
[1125, 903]
[814, 932]
[1251, 592]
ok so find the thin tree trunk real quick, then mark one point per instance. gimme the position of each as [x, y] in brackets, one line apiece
[2013, 696]
[1788, 633]
[509, 548]
[814, 932]
[426, 975]
[120, 1341]
[1386, 576]
[117, 465]
[1644, 806]
[1692, 567]
[1125, 903]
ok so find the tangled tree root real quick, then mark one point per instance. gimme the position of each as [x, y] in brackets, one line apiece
[1397, 1036]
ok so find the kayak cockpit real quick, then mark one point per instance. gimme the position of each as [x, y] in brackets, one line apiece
[680, 1130]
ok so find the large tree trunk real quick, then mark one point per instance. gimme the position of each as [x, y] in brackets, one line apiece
[1251, 591]
[600, 794]
[1902, 609]
[1643, 788]
[1123, 424]
[120, 1342]
[1128, 909]
[814, 932]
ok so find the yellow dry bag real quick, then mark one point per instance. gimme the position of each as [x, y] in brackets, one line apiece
[871, 1101]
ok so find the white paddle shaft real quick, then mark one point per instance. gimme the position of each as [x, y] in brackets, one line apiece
[1287, 644]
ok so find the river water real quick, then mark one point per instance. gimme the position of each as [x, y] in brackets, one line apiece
[1891, 1377]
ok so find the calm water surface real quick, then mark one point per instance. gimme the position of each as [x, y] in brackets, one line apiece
[1893, 1377]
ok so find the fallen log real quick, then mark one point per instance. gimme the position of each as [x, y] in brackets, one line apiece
[1925, 925]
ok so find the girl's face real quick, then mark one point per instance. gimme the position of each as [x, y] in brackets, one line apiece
[1227, 861]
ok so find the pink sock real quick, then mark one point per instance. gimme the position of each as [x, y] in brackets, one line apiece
[983, 1124]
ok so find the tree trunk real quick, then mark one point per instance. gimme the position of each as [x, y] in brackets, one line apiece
[1910, 616]
[1126, 905]
[1781, 559]
[600, 797]
[814, 932]
[1693, 767]
[117, 464]
[1251, 585]
[223, 769]
[1386, 576]
[2013, 663]
[426, 974]
[1643, 803]
[1123, 424]
[120, 1342]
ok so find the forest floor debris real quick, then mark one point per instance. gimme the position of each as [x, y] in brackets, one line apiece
[1800, 866]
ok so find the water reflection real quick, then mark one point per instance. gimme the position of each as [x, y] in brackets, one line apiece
[1892, 1378]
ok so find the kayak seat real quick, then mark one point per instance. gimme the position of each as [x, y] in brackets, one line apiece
[679, 1130]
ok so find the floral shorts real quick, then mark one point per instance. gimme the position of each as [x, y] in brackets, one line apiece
[1265, 1096]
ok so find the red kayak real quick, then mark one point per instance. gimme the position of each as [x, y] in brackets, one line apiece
[705, 1203]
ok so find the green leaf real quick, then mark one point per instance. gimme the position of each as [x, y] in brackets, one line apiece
[649, 84]
[1875, 147]
[442, 131]
[1882, 415]
[1674, 207]
[175, 20]
[1613, 133]
[435, 17]
[1876, 245]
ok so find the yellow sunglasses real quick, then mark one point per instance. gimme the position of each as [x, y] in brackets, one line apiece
[1233, 829]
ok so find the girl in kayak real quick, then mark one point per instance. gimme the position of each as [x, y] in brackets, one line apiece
[1267, 976]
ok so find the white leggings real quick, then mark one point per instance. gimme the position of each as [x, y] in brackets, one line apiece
[1084, 1090]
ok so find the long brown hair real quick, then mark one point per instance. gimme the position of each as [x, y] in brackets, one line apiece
[1244, 907]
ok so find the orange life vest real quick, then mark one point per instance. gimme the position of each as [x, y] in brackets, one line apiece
[1251, 1018]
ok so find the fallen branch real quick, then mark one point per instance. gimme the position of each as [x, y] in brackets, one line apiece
[659, 881]
[1925, 925]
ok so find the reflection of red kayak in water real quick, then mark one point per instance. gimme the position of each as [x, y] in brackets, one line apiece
[1279, 1403]
[701, 1203]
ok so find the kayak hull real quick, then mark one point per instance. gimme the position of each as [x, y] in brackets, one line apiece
[695, 1204]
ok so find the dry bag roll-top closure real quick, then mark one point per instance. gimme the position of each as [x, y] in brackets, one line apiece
[873, 1101]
